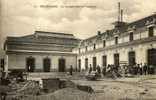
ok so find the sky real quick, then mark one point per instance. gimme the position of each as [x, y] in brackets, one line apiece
[23, 17]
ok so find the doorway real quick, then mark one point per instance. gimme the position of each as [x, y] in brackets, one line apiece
[151, 57]
[94, 64]
[2, 64]
[30, 64]
[131, 58]
[46, 64]
[79, 65]
[104, 61]
[62, 65]
[151, 60]
[86, 63]
[116, 60]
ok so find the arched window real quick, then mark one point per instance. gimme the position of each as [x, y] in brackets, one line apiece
[151, 60]
[62, 65]
[30, 64]
[151, 57]
[94, 63]
[131, 58]
[79, 65]
[46, 64]
[86, 63]
[151, 31]
[116, 59]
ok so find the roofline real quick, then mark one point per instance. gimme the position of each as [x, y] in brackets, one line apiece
[141, 19]
[60, 33]
[19, 36]
[128, 24]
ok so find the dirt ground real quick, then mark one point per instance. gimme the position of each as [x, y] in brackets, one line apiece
[136, 88]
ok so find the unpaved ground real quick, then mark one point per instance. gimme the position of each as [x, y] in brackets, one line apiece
[137, 88]
[64, 94]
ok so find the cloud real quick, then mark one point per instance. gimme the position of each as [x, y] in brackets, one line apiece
[20, 17]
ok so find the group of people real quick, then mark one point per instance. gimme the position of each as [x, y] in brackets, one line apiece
[105, 69]
[97, 69]
[136, 69]
[141, 69]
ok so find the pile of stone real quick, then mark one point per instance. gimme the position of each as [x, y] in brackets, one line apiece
[52, 88]
[22, 89]
[64, 94]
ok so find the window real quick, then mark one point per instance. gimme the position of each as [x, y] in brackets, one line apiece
[150, 31]
[46, 64]
[116, 59]
[104, 61]
[151, 56]
[30, 64]
[79, 65]
[131, 36]
[79, 50]
[2, 64]
[86, 48]
[116, 40]
[131, 58]
[94, 63]
[86, 63]
[94, 46]
[151, 59]
[61, 65]
[104, 43]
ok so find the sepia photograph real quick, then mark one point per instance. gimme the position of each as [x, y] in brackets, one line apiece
[77, 49]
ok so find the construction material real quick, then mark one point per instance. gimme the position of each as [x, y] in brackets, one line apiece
[64, 94]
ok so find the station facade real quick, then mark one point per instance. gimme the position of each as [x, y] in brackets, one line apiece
[41, 51]
[128, 43]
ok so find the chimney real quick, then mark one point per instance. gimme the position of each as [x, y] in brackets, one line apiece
[107, 31]
[36, 34]
[119, 23]
[99, 32]
[121, 15]
[118, 11]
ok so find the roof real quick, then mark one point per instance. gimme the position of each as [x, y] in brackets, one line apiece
[58, 33]
[142, 22]
[43, 41]
[137, 24]
[54, 34]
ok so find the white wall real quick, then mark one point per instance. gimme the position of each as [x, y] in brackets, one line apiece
[126, 38]
[155, 31]
[120, 40]
[18, 61]
[140, 52]
[136, 36]
[144, 34]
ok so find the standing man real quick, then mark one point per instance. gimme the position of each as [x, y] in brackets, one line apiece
[145, 68]
[71, 70]
[90, 69]
[138, 69]
[98, 69]
[104, 70]
[141, 69]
